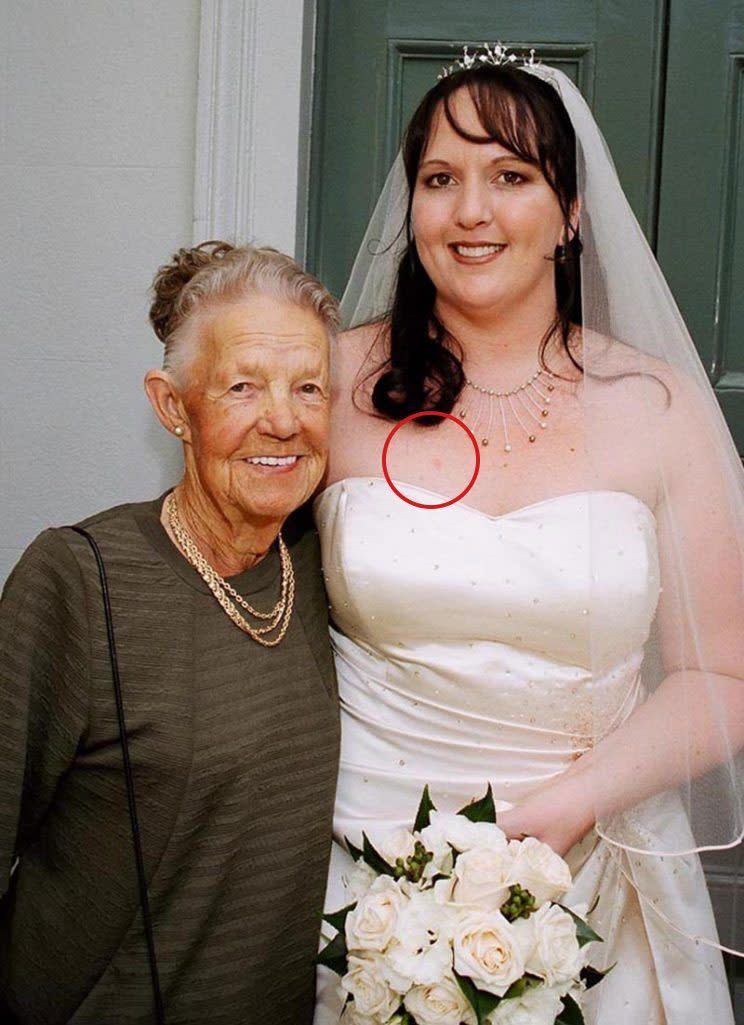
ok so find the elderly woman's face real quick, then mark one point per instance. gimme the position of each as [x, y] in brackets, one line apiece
[257, 400]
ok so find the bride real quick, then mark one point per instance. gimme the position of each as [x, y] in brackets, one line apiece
[569, 630]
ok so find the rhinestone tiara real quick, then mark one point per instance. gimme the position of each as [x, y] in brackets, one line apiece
[496, 55]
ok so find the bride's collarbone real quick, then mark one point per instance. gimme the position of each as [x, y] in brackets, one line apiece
[441, 459]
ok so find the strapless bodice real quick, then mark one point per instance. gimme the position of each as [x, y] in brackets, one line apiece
[510, 618]
[396, 572]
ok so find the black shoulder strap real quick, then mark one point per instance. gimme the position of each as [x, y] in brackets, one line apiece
[136, 836]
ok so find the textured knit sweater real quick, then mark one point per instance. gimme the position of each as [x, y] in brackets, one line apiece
[234, 749]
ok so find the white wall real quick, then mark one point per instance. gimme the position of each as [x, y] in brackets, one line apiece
[253, 121]
[106, 108]
[96, 181]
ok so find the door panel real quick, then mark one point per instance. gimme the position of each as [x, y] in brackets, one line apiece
[701, 210]
[413, 65]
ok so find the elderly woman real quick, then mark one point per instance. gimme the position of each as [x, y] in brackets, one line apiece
[220, 629]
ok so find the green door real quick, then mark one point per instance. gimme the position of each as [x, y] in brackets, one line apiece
[665, 79]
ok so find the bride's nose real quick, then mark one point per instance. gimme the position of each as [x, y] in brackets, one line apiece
[474, 205]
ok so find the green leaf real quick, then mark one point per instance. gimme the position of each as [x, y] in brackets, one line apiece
[584, 932]
[355, 852]
[481, 811]
[481, 1002]
[518, 988]
[338, 918]
[375, 860]
[425, 808]
[334, 955]
[403, 1017]
[571, 1013]
[593, 976]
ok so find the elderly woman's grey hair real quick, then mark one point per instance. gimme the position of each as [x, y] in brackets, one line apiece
[199, 280]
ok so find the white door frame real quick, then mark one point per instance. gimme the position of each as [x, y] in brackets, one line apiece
[253, 122]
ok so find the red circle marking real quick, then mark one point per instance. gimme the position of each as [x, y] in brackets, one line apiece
[444, 416]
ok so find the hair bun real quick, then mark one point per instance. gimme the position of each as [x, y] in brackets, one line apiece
[172, 277]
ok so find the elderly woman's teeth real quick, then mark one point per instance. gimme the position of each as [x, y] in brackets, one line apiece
[273, 460]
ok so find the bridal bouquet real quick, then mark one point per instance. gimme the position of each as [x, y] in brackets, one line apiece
[452, 924]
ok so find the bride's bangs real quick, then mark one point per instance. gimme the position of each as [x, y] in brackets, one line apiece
[505, 118]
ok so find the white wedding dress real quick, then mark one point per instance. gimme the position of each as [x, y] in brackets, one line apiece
[462, 653]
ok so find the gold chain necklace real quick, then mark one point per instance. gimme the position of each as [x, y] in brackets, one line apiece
[530, 399]
[279, 616]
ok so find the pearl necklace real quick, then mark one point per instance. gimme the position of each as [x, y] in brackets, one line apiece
[530, 399]
[279, 616]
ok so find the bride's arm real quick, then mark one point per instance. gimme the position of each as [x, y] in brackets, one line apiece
[694, 720]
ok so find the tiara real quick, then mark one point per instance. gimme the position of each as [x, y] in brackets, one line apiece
[496, 55]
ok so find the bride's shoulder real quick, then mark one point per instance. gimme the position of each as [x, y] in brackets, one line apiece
[633, 372]
[646, 390]
[360, 345]
[358, 355]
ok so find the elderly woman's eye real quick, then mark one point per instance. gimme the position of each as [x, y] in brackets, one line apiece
[310, 388]
[240, 387]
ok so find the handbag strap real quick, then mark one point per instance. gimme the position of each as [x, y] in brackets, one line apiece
[136, 835]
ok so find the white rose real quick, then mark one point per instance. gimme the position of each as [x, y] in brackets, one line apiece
[537, 868]
[398, 844]
[373, 998]
[488, 952]
[482, 877]
[524, 935]
[420, 951]
[440, 1003]
[445, 829]
[556, 955]
[538, 1006]
[370, 925]
[359, 880]
[442, 890]
[351, 1016]
[440, 864]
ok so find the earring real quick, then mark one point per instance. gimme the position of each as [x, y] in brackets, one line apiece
[178, 431]
[561, 254]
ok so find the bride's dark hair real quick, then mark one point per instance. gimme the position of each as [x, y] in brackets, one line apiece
[525, 115]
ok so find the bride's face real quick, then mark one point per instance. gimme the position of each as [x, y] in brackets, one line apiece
[486, 222]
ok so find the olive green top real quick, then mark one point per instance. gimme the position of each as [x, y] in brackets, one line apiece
[234, 749]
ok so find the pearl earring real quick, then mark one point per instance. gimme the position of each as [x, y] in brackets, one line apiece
[178, 431]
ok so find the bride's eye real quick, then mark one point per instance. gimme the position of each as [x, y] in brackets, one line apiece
[439, 180]
[511, 178]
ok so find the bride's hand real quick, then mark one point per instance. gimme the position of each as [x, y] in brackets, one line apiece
[560, 814]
